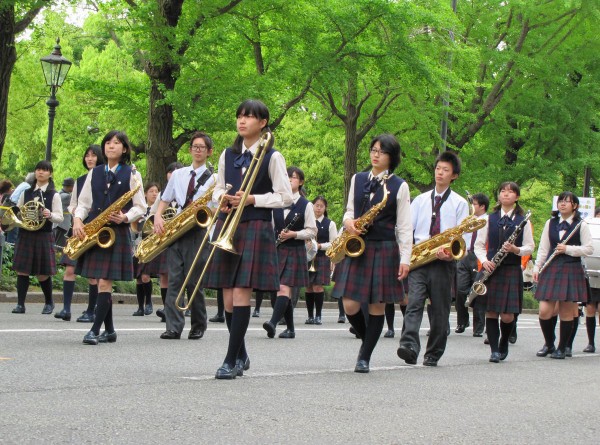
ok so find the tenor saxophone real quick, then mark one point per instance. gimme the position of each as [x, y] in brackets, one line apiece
[353, 245]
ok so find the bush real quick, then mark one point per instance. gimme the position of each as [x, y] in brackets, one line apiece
[529, 302]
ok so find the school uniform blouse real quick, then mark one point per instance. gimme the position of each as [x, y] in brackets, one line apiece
[282, 191]
[56, 211]
[84, 203]
[176, 189]
[482, 236]
[404, 228]
[310, 226]
[332, 233]
[585, 249]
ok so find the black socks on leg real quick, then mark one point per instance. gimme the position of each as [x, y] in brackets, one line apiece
[310, 304]
[68, 287]
[358, 323]
[371, 338]
[22, 287]
[319, 297]
[240, 318]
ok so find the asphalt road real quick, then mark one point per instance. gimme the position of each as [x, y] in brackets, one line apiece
[141, 389]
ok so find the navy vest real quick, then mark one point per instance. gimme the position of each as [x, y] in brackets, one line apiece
[80, 182]
[554, 240]
[281, 224]
[497, 235]
[262, 185]
[48, 196]
[385, 222]
[323, 233]
[103, 196]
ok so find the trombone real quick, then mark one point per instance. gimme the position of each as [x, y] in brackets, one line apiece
[225, 238]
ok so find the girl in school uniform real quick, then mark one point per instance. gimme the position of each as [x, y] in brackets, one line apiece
[104, 185]
[293, 226]
[375, 277]
[505, 286]
[326, 233]
[563, 280]
[34, 250]
[256, 266]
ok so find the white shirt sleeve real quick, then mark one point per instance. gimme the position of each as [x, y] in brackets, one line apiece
[57, 211]
[404, 228]
[350, 205]
[332, 236]
[282, 190]
[138, 209]
[73, 203]
[310, 224]
[84, 203]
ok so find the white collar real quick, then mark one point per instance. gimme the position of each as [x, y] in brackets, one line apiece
[42, 188]
[252, 148]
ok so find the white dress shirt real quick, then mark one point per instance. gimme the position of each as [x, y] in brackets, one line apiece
[57, 211]
[332, 233]
[310, 226]
[176, 189]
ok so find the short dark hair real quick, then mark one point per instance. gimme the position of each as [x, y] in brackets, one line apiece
[389, 145]
[122, 137]
[149, 185]
[574, 199]
[5, 186]
[174, 166]
[257, 109]
[482, 199]
[206, 138]
[450, 157]
[94, 149]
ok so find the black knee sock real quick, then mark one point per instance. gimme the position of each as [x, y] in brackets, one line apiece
[92, 298]
[358, 323]
[220, 303]
[514, 325]
[242, 354]
[372, 334]
[163, 294]
[341, 307]
[319, 297]
[273, 298]
[590, 325]
[240, 318]
[554, 321]
[506, 329]
[289, 316]
[279, 308]
[390, 312]
[403, 310]
[259, 300]
[104, 303]
[139, 291]
[566, 327]
[47, 290]
[573, 333]
[548, 332]
[22, 287]
[68, 287]
[310, 303]
[493, 333]
[148, 293]
[108, 320]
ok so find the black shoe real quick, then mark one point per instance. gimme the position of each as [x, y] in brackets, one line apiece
[486, 341]
[170, 335]
[428, 332]
[106, 337]
[460, 329]
[90, 338]
[255, 314]
[66, 316]
[590, 348]
[342, 319]
[310, 320]
[558, 354]
[19, 309]
[217, 319]
[429, 361]
[287, 334]
[318, 321]
[161, 313]
[282, 322]
[195, 335]
[477, 334]
[389, 334]
[503, 350]
[148, 309]
[270, 328]
[242, 365]
[48, 308]
[86, 318]
[513, 337]
[353, 332]
[226, 372]
[188, 313]
[138, 313]
[362, 366]
[408, 355]
[568, 352]
[545, 351]
[495, 357]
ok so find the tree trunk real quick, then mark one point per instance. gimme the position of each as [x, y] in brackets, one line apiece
[351, 138]
[8, 58]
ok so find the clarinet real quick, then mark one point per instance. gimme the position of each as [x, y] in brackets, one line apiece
[551, 257]
[478, 288]
[287, 228]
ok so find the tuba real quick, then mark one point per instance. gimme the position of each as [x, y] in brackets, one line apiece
[29, 217]
[352, 245]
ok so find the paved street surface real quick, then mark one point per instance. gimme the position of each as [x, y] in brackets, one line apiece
[141, 389]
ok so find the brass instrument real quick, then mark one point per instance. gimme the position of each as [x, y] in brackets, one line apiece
[551, 257]
[197, 214]
[478, 288]
[96, 231]
[311, 253]
[225, 239]
[353, 245]
[148, 223]
[29, 216]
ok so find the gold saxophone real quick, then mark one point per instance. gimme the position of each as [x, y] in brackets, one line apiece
[96, 231]
[195, 214]
[352, 245]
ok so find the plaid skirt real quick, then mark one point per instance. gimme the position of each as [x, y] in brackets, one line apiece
[593, 294]
[505, 290]
[34, 253]
[293, 269]
[562, 281]
[66, 261]
[371, 277]
[113, 263]
[322, 277]
[154, 268]
[256, 266]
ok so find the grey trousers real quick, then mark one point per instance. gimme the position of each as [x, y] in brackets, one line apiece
[180, 256]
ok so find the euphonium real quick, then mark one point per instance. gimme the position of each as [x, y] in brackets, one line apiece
[148, 226]
[95, 231]
[197, 214]
[31, 217]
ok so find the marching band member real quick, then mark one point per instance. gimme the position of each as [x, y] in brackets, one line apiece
[104, 185]
[34, 250]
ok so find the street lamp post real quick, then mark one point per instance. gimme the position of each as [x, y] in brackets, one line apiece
[55, 68]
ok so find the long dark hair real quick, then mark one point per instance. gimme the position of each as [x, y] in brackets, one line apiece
[300, 174]
[47, 166]
[254, 108]
[94, 149]
[321, 198]
[122, 137]
[574, 199]
[515, 188]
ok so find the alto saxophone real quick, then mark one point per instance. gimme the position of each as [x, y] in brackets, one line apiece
[195, 214]
[353, 245]
[96, 231]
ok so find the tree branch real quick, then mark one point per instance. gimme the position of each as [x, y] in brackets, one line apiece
[22, 24]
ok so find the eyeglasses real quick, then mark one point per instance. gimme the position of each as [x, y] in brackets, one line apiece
[565, 201]
[198, 148]
[377, 151]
